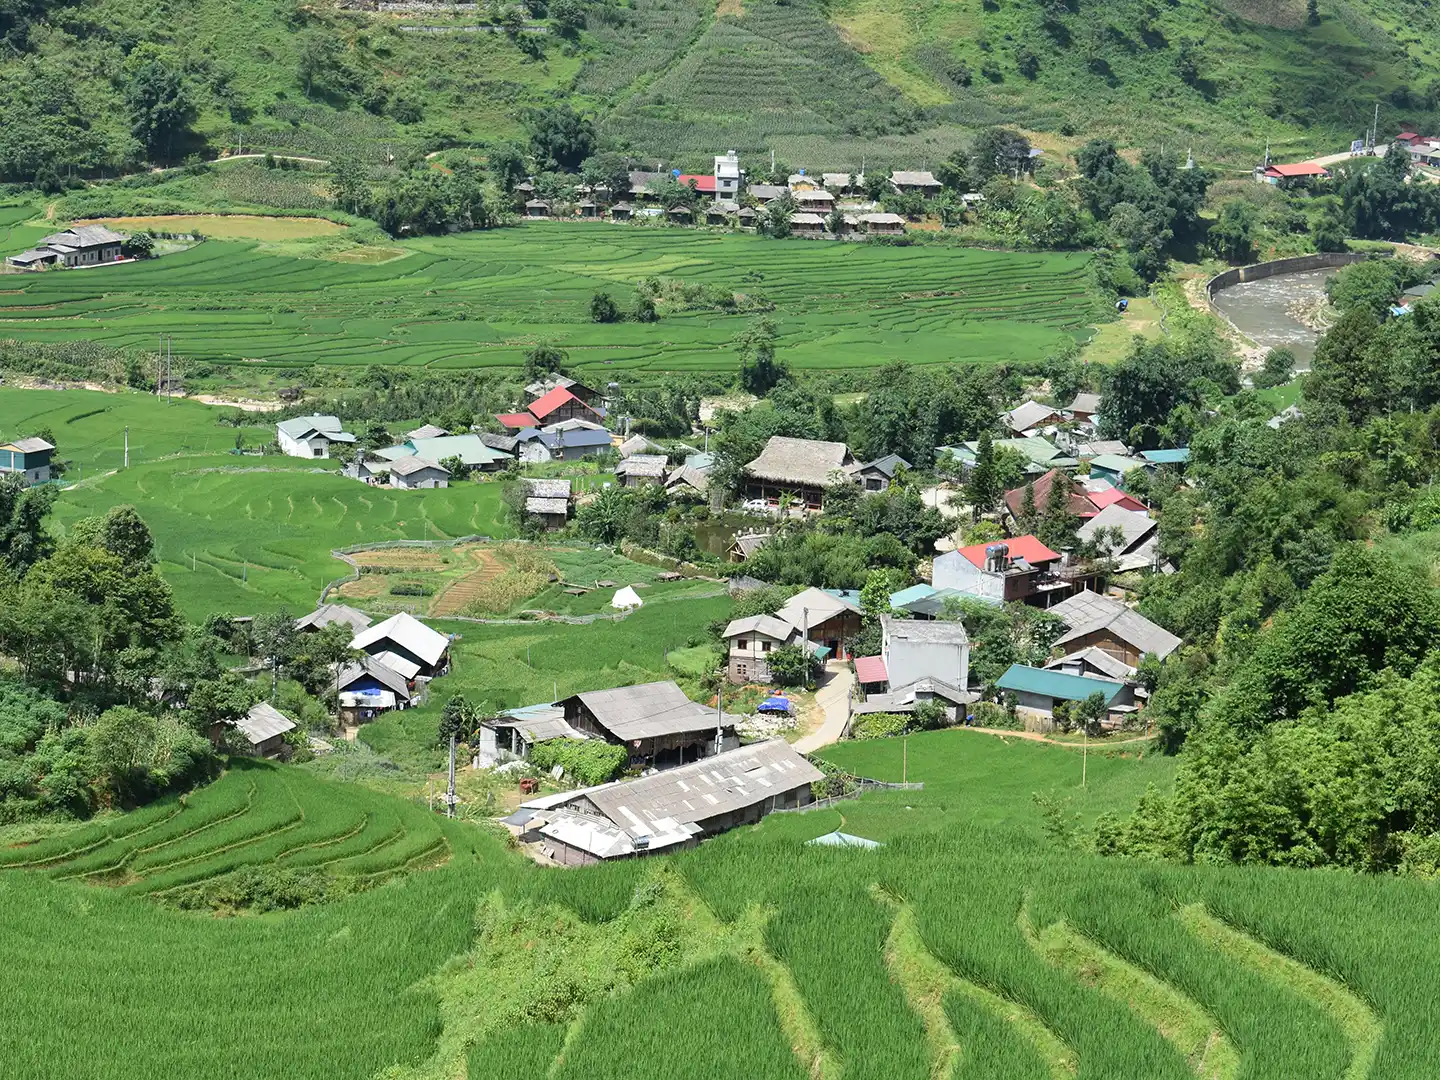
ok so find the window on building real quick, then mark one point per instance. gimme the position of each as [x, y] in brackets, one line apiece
[765, 646]
[317, 451]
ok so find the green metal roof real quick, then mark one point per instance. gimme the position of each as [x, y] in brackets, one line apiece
[1114, 463]
[1056, 684]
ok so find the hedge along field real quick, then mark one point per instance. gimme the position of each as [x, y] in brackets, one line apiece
[248, 534]
[479, 300]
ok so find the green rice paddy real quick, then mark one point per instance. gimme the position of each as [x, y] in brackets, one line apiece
[479, 300]
[967, 947]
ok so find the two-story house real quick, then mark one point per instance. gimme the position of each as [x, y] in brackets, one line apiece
[27, 457]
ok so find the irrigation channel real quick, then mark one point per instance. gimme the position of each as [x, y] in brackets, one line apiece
[1269, 302]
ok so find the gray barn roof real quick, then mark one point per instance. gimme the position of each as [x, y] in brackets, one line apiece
[642, 465]
[405, 466]
[1088, 612]
[368, 665]
[263, 722]
[329, 614]
[409, 633]
[768, 625]
[537, 505]
[647, 711]
[925, 631]
[722, 784]
[1134, 525]
[549, 489]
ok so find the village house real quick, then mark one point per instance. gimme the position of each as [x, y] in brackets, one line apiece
[30, 458]
[537, 208]
[641, 469]
[1018, 569]
[261, 732]
[817, 201]
[1084, 408]
[843, 183]
[1095, 620]
[311, 436]
[750, 642]
[1095, 663]
[622, 211]
[426, 431]
[367, 687]
[766, 193]
[409, 638]
[1029, 417]
[746, 217]
[805, 224]
[656, 722]
[566, 441]
[746, 544]
[1138, 532]
[414, 473]
[825, 619]
[587, 208]
[332, 615]
[728, 177]
[513, 733]
[667, 810]
[548, 501]
[472, 451]
[82, 245]
[903, 699]
[540, 387]
[688, 481]
[1040, 454]
[1039, 691]
[912, 650]
[1076, 501]
[1175, 458]
[1113, 468]
[879, 474]
[922, 181]
[883, 224]
[800, 469]
[1286, 176]
[638, 444]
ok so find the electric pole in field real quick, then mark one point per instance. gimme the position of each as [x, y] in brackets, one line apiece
[127, 446]
[450, 790]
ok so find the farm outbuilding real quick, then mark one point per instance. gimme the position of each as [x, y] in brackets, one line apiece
[671, 809]
[407, 636]
[261, 732]
[549, 501]
[641, 469]
[413, 473]
[331, 615]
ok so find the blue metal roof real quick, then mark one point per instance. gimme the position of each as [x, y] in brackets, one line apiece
[1056, 684]
[1166, 457]
[913, 593]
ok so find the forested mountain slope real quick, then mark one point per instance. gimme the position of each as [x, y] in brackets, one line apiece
[92, 85]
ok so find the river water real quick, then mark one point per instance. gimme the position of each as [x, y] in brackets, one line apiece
[1264, 309]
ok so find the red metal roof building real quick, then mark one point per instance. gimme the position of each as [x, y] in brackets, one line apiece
[1408, 137]
[870, 669]
[1079, 505]
[560, 404]
[1021, 547]
[517, 421]
[1297, 171]
[1111, 496]
[704, 184]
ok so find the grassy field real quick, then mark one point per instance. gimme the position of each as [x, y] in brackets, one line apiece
[968, 946]
[479, 300]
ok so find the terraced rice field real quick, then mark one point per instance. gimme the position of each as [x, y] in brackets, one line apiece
[255, 534]
[479, 300]
[966, 947]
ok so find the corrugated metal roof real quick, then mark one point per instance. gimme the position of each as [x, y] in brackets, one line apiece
[1088, 612]
[1057, 684]
[330, 614]
[928, 631]
[409, 633]
[768, 625]
[870, 669]
[708, 788]
[262, 722]
[648, 711]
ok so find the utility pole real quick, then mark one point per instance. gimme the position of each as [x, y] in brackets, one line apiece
[719, 717]
[1085, 753]
[127, 446]
[450, 790]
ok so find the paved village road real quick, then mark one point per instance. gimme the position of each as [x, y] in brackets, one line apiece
[834, 698]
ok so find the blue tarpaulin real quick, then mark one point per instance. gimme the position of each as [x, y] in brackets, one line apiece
[775, 704]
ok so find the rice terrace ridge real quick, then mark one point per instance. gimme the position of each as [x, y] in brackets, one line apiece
[719, 540]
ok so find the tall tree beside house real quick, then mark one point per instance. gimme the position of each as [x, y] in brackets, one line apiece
[1029, 517]
[984, 484]
[760, 370]
[1058, 523]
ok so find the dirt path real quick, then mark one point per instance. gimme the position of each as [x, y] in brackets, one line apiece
[1035, 736]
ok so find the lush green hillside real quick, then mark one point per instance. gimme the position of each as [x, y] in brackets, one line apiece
[826, 83]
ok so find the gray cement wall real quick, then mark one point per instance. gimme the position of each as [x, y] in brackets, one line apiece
[1255, 272]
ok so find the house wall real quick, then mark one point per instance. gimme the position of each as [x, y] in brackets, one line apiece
[317, 446]
[749, 655]
[35, 467]
[771, 491]
[1107, 641]
[954, 571]
[907, 661]
[535, 452]
[426, 478]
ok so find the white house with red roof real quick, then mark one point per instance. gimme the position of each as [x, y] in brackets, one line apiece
[1286, 175]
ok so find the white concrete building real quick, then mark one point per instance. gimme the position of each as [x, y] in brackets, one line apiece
[311, 436]
[727, 177]
[915, 650]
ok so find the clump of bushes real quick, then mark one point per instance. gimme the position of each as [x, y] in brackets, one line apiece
[588, 763]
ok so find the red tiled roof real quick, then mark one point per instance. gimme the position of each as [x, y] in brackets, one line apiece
[1299, 168]
[871, 669]
[1021, 547]
[1407, 136]
[1015, 498]
[517, 420]
[546, 404]
[1105, 498]
[700, 183]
